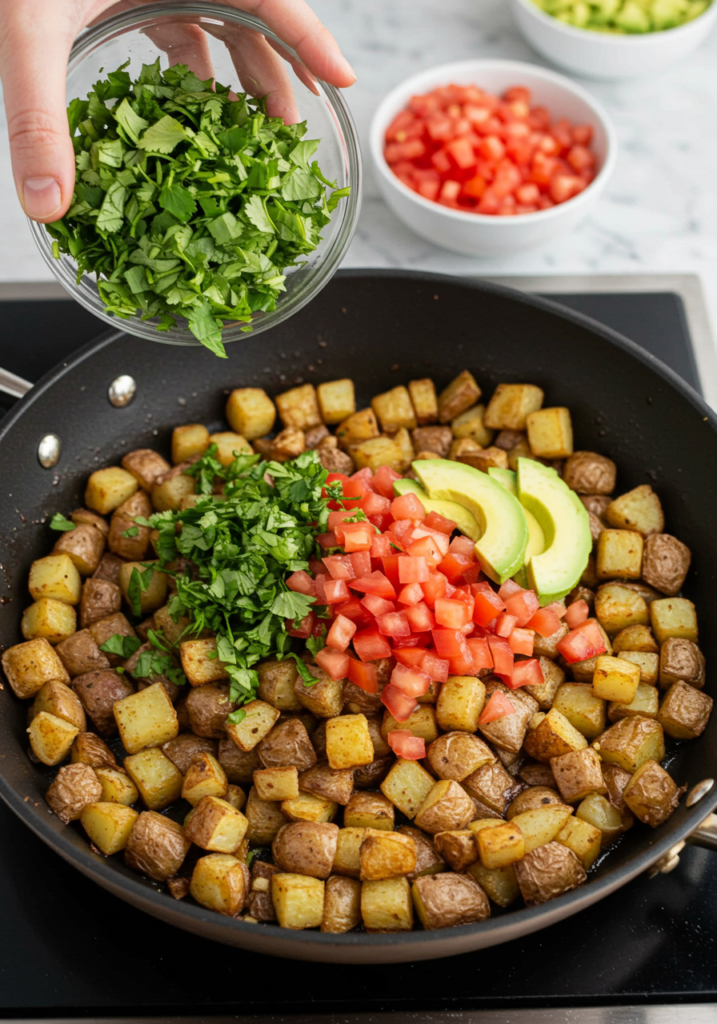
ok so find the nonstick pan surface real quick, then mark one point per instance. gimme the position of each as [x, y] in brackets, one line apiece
[381, 330]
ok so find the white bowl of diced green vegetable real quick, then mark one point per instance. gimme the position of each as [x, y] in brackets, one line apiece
[613, 39]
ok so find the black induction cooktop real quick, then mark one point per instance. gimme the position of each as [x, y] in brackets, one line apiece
[69, 949]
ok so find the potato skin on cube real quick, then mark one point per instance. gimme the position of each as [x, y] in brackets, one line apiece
[459, 395]
[84, 545]
[325, 698]
[348, 741]
[207, 708]
[28, 666]
[578, 773]
[447, 900]
[276, 684]
[386, 855]
[48, 619]
[369, 810]
[342, 905]
[156, 593]
[133, 548]
[347, 859]
[220, 882]
[108, 825]
[99, 692]
[217, 826]
[386, 905]
[265, 819]
[590, 473]
[51, 737]
[204, 777]
[146, 719]
[547, 872]
[681, 659]
[631, 742]
[511, 404]
[458, 848]
[287, 745]
[145, 465]
[90, 749]
[684, 711]
[665, 563]
[306, 848]
[533, 798]
[446, 807]
[327, 782]
[250, 412]
[553, 736]
[117, 787]
[298, 900]
[107, 488]
[456, 755]
[652, 794]
[157, 779]
[407, 785]
[74, 787]
[492, 785]
[59, 700]
[599, 812]
[156, 847]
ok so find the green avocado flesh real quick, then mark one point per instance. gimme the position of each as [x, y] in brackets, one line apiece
[624, 16]
[502, 524]
[536, 538]
[564, 521]
[463, 519]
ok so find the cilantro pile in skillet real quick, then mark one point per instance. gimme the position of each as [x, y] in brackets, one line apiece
[188, 202]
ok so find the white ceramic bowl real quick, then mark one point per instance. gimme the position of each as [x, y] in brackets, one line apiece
[609, 57]
[475, 234]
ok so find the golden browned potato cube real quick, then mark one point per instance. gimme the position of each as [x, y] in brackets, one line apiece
[460, 703]
[217, 826]
[276, 684]
[644, 703]
[618, 608]
[631, 742]
[600, 813]
[553, 679]
[443, 901]
[229, 445]
[463, 446]
[117, 787]
[145, 465]
[386, 855]
[55, 576]
[684, 711]
[428, 860]
[403, 439]
[332, 784]
[259, 719]
[28, 666]
[461, 394]
[336, 399]
[673, 617]
[73, 788]
[578, 773]
[652, 794]
[394, 410]
[309, 807]
[647, 663]
[188, 441]
[325, 698]
[170, 490]
[156, 593]
[386, 905]
[358, 427]
[220, 882]
[277, 783]
[486, 459]
[204, 777]
[146, 719]
[665, 563]
[541, 825]
[407, 785]
[500, 846]
[51, 737]
[424, 401]
[446, 808]
[547, 872]
[158, 780]
[471, 423]
[298, 900]
[582, 838]
[347, 859]
[342, 905]
[200, 662]
[348, 741]
[511, 405]
[635, 638]
[108, 488]
[265, 819]
[585, 712]
[535, 797]
[456, 755]
[369, 810]
[639, 510]
[458, 848]
[250, 412]
[554, 736]
[500, 884]
[421, 722]
[59, 700]
[615, 679]
[299, 407]
[619, 555]
[108, 825]
[380, 451]
[235, 796]
[550, 433]
[681, 659]
[48, 619]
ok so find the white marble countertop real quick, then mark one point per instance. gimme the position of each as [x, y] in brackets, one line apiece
[658, 215]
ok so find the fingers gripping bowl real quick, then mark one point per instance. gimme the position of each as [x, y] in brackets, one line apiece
[420, 310]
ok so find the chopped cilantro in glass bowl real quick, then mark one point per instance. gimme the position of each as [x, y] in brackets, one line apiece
[197, 217]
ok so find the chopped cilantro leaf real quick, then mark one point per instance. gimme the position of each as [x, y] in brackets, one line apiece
[123, 646]
[61, 523]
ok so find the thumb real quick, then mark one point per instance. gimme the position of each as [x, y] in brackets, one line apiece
[36, 43]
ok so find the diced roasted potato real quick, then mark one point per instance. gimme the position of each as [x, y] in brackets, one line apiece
[684, 711]
[309, 807]
[99, 599]
[342, 905]
[204, 777]
[90, 749]
[324, 698]
[394, 410]
[259, 719]
[665, 563]
[28, 666]
[348, 741]
[146, 719]
[631, 742]
[471, 423]
[126, 538]
[635, 638]
[298, 900]
[200, 662]
[108, 825]
[639, 510]
[51, 737]
[386, 905]
[189, 441]
[553, 679]
[619, 555]
[171, 488]
[145, 465]
[347, 859]
[590, 473]
[117, 787]
[578, 773]
[446, 900]
[500, 884]
[158, 780]
[460, 703]
[73, 788]
[461, 394]
[433, 439]
[48, 619]
[84, 545]
[59, 700]
[554, 735]
[55, 576]
[618, 608]
[644, 703]
[424, 401]
[681, 659]
[369, 810]
[533, 798]
[332, 784]
[265, 819]
[652, 794]
[464, 446]
[550, 433]
[541, 825]
[456, 755]
[673, 617]
[647, 663]
[221, 883]
[155, 593]
[447, 807]
[458, 848]
[207, 709]
[615, 679]
[102, 630]
[582, 838]
[380, 451]
[250, 412]
[511, 404]
[485, 459]
[421, 722]
[386, 855]
[299, 407]
[547, 872]
[217, 826]
[508, 733]
[107, 488]
[407, 785]
[492, 786]
[229, 445]
[358, 427]
[288, 743]
[277, 783]
[500, 846]
[336, 399]
[306, 847]
[239, 767]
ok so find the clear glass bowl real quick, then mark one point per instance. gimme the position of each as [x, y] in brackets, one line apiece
[192, 33]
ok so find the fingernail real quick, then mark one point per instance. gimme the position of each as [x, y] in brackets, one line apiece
[42, 197]
[347, 69]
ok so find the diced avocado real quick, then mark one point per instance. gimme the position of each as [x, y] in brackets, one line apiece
[503, 527]
[566, 527]
[536, 537]
[463, 519]
[633, 17]
[667, 13]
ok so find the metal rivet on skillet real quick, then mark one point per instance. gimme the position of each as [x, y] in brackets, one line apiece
[698, 791]
[48, 451]
[122, 390]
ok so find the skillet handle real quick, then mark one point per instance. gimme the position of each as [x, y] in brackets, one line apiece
[706, 834]
[13, 385]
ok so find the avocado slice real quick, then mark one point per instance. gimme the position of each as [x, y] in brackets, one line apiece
[566, 527]
[503, 527]
[536, 538]
[464, 520]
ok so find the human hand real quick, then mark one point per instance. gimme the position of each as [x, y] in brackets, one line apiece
[35, 42]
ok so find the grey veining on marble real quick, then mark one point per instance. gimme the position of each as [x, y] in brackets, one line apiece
[658, 215]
